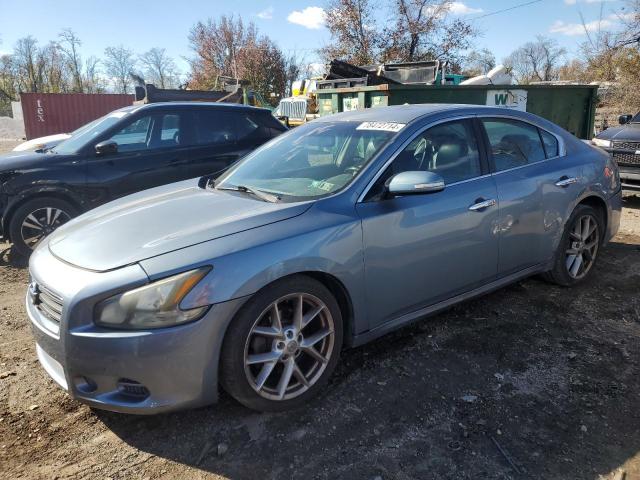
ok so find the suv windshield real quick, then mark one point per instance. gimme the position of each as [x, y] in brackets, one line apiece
[83, 135]
[636, 118]
[312, 161]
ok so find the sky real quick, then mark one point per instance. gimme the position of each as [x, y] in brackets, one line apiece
[296, 26]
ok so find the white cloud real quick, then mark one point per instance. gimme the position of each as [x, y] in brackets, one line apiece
[573, 29]
[460, 8]
[266, 14]
[455, 8]
[311, 17]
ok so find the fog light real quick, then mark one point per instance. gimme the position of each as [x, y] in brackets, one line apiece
[131, 388]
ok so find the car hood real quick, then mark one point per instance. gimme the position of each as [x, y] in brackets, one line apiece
[158, 221]
[629, 132]
[22, 160]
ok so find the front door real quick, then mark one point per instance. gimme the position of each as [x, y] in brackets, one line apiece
[422, 249]
[535, 190]
[150, 153]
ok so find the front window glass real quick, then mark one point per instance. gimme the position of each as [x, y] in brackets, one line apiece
[89, 132]
[449, 149]
[312, 161]
[134, 136]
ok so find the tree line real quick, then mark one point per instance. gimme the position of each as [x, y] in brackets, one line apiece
[361, 32]
[60, 67]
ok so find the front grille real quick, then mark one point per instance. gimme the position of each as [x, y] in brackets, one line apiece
[626, 145]
[48, 303]
[626, 158]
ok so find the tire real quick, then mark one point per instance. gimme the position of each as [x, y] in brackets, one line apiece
[49, 213]
[564, 271]
[246, 338]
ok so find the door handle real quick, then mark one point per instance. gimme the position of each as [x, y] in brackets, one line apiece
[566, 181]
[482, 204]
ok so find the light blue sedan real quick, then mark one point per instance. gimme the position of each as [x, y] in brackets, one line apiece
[328, 236]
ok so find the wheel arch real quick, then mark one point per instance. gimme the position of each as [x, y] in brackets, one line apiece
[57, 193]
[599, 204]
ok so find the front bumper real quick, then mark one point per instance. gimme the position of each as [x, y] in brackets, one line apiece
[628, 162]
[614, 214]
[141, 372]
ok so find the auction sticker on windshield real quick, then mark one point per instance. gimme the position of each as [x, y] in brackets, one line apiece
[385, 126]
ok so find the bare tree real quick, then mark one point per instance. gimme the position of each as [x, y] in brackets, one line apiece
[28, 65]
[159, 68]
[93, 81]
[119, 63]
[354, 32]
[536, 61]
[417, 30]
[425, 30]
[69, 44]
[479, 62]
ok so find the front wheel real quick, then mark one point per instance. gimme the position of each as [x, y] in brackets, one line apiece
[579, 247]
[283, 345]
[35, 219]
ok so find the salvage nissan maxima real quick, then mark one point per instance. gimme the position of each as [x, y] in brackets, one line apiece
[328, 236]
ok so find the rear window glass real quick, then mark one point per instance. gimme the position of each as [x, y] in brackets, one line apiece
[214, 128]
[513, 143]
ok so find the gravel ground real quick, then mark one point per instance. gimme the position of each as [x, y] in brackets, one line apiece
[532, 381]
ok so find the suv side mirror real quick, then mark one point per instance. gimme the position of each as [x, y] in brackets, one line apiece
[107, 147]
[411, 183]
[622, 119]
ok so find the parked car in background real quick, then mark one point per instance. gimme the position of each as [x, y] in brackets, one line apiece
[126, 151]
[623, 143]
[41, 143]
[333, 234]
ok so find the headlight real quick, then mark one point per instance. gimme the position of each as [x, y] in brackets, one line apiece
[152, 306]
[600, 142]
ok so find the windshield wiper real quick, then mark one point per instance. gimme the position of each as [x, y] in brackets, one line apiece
[267, 197]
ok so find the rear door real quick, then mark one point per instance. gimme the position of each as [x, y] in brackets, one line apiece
[150, 153]
[535, 190]
[221, 136]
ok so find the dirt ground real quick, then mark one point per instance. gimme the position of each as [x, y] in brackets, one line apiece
[532, 381]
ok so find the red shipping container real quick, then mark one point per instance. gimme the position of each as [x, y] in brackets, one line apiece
[52, 113]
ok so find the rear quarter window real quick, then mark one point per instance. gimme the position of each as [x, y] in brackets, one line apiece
[550, 144]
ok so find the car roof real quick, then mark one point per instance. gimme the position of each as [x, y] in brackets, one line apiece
[212, 105]
[404, 113]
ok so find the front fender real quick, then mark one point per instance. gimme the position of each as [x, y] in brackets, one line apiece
[244, 263]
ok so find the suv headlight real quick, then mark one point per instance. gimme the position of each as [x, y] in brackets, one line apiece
[600, 142]
[152, 306]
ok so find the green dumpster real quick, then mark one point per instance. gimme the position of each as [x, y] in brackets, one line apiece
[570, 106]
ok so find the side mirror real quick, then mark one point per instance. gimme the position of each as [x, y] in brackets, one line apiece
[411, 183]
[107, 147]
[622, 119]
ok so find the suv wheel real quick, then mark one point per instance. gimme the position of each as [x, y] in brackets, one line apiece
[283, 345]
[578, 248]
[36, 219]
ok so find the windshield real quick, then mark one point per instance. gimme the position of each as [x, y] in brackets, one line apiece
[83, 135]
[312, 161]
[636, 118]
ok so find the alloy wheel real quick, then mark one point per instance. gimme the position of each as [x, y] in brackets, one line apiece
[584, 239]
[289, 346]
[40, 223]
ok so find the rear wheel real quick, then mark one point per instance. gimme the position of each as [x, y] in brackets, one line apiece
[579, 247]
[283, 345]
[36, 219]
